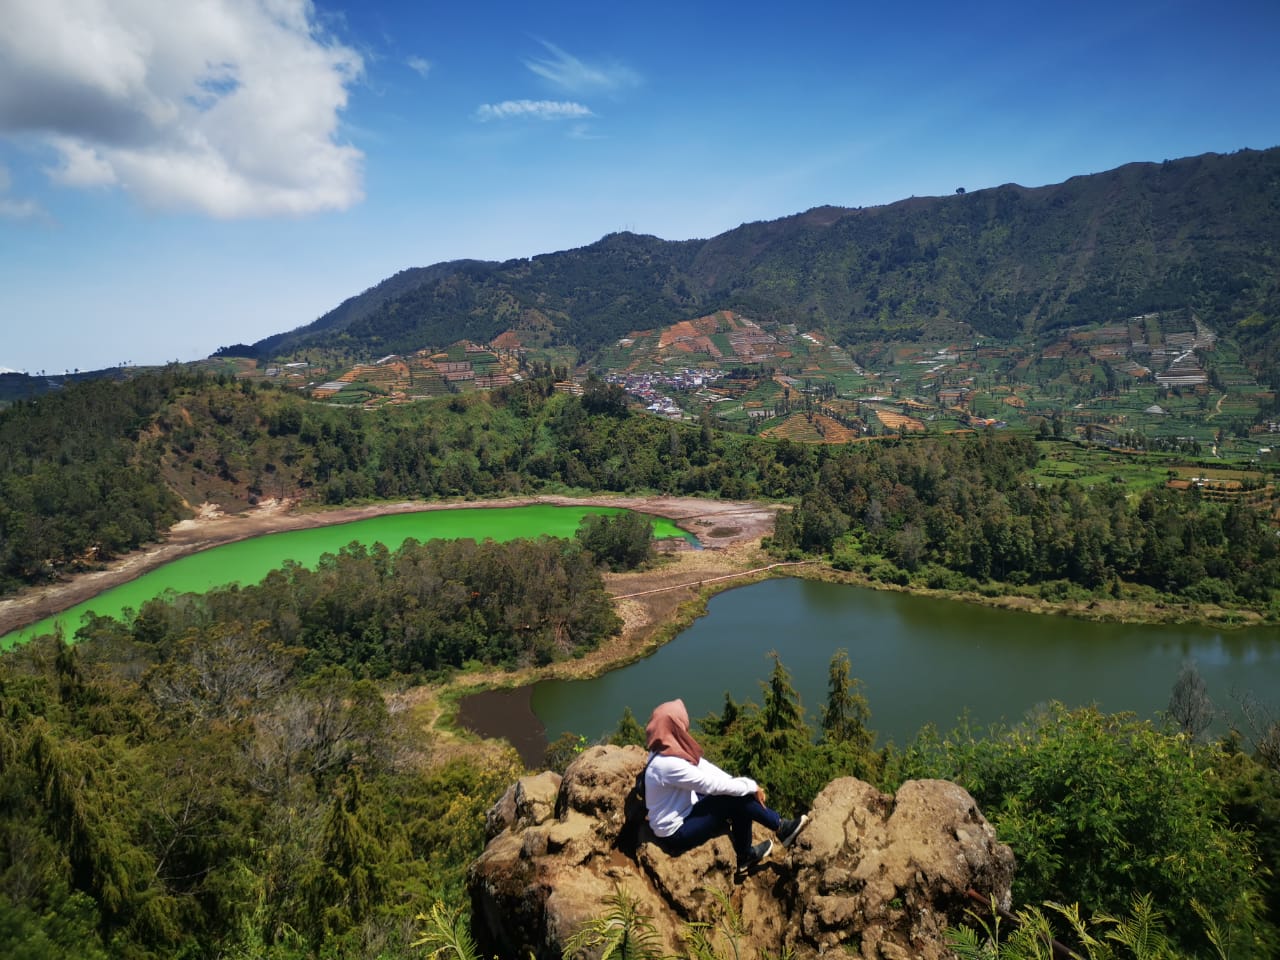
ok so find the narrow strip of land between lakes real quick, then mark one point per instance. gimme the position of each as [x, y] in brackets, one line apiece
[705, 580]
[718, 525]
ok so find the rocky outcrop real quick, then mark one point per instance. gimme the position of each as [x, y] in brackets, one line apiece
[873, 874]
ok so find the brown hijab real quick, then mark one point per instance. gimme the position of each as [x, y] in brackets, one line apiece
[668, 732]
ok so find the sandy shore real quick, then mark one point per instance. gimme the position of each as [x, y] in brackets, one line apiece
[721, 526]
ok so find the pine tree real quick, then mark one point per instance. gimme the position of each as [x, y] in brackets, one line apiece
[846, 716]
[103, 861]
[347, 882]
[66, 666]
[628, 731]
[782, 710]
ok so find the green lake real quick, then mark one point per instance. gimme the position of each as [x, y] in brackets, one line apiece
[921, 660]
[248, 561]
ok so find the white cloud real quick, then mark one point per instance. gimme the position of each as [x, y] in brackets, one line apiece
[11, 209]
[537, 109]
[14, 209]
[80, 165]
[419, 65]
[567, 72]
[227, 107]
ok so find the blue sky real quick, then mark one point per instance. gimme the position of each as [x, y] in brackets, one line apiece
[172, 183]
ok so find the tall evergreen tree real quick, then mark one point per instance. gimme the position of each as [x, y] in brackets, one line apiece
[349, 880]
[846, 716]
[782, 711]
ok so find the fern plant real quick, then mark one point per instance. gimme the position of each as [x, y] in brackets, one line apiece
[701, 937]
[446, 935]
[624, 933]
[1236, 934]
[1030, 939]
[1141, 932]
[1139, 935]
[723, 938]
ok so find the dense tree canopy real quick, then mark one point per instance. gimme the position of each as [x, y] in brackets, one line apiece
[425, 608]
[940, 509]
[945, 511]
[220, 776]
[74, 484]
[1098, 808]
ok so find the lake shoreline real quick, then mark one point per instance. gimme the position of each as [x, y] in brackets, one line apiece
[921, 660]
[656, 604]
[716, 524]
[1094, 609]
[648, 629]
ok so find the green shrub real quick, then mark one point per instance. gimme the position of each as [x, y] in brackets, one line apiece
[1099, 806]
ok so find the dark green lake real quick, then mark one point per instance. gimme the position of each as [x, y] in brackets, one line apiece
[248, 561]
[921, 661]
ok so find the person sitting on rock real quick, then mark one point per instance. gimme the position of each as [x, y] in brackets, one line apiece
[691, 800]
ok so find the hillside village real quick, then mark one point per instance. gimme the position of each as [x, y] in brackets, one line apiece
[1153, 381]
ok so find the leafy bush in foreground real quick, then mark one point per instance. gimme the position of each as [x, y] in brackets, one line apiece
[1098, 807]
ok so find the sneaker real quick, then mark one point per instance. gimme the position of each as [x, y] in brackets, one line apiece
[753, 858]
[788, 830]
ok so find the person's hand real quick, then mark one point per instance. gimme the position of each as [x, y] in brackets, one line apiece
[760, 795]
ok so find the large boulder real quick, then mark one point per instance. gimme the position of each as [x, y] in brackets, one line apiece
[888, 874]
[873, 873]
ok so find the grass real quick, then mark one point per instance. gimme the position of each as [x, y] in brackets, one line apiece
[1088, 463]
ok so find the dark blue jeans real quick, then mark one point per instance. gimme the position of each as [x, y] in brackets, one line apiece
[711, 815]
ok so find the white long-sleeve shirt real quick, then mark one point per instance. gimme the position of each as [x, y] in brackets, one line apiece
[673, 785]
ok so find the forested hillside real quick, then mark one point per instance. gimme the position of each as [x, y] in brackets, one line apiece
[101, 468]
[1004, 262]
[238, 775]
[219, 777]
[76, 485]
[361, 305]
[192, 785]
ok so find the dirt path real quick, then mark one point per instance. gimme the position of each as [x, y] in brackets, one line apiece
[723, 527]
[703, 581]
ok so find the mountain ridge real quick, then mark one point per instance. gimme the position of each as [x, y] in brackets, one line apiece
[1000, 262]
